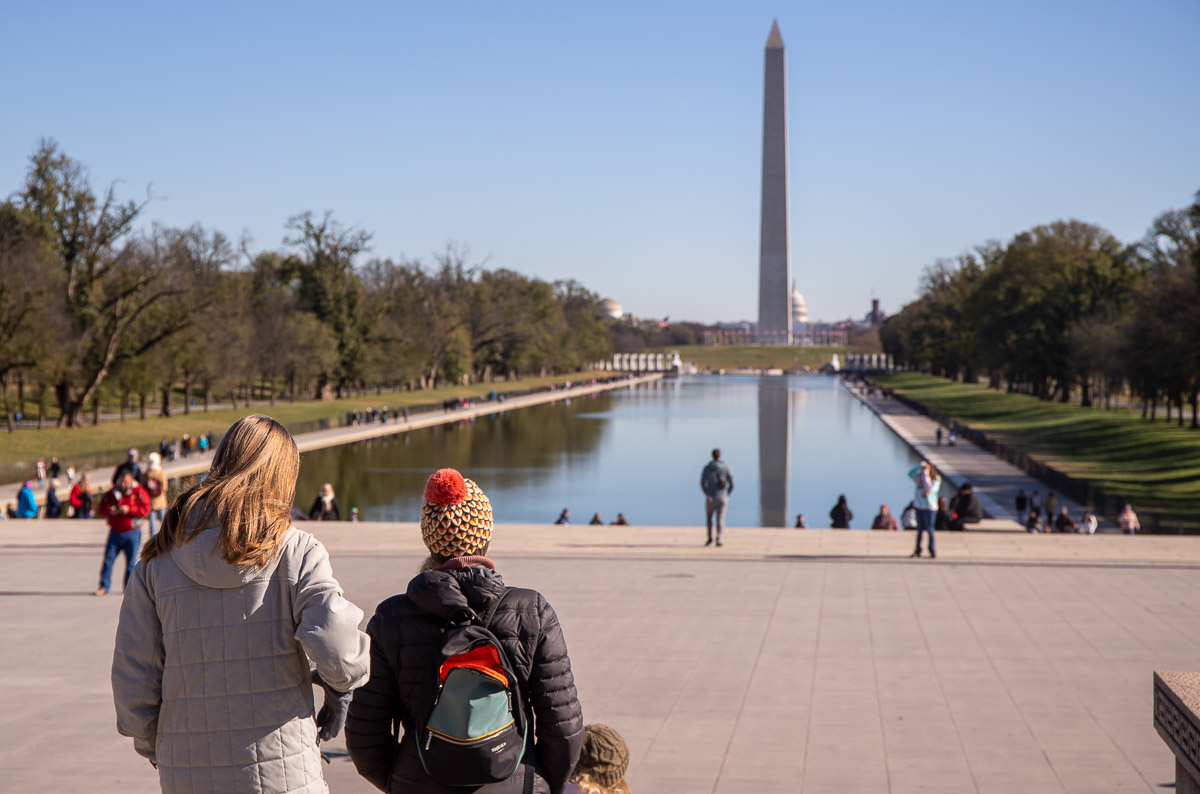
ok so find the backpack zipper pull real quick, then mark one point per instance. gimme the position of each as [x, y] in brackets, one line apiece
[429, 740]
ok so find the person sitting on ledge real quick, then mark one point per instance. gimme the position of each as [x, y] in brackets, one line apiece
[621, 521]
[884, 520]
[564, 518]
[596, 521]
[1034, 522]
[1064, 523]
[800, 522]
[966, 509]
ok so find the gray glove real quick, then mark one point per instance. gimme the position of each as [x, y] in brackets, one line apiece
[332, 716]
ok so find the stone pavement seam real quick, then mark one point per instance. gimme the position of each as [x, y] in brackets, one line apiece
[915, 604]
[883, 740]
[753, 672]
[812, 688]
[1000, 676]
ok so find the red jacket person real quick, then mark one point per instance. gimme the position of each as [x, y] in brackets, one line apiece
[124, 506]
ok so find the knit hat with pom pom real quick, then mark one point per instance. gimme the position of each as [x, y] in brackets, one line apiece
[457, 517]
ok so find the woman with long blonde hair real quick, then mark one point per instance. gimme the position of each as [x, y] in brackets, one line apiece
[223, 620]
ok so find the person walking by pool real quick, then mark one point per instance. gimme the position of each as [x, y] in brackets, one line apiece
[81, 497]
[1022, 504]
[564, 518]
[841, 515]
[55, 469]
[40, 470]
[716, 481]
[1035, 501]
[227, 612]
[124, 506]
[1089, 523]
[460, 583]
[926, 484]
[884, 520]
[1127, 520]
[156, 486]
[939, 435]
[602, 763]
[53, 503]
[26, 503]
[325, 506]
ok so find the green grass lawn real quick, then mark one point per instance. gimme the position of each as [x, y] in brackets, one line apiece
[758, 356]
[108, 441]
[1154, 465]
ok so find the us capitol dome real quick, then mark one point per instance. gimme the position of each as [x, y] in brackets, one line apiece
[799, 307]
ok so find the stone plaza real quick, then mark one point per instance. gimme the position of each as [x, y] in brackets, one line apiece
[786, 661]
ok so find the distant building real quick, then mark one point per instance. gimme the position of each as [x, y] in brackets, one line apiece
[612, 308]
[875, 317]
[799, 309]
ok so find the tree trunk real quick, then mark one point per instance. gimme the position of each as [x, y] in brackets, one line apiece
[121, 409]
[142, 406]
[21, 391]
[1195, 400]
[8, 414]
[187, 394]
[233, 396]
[271, 391]
[96, 410]
[166, 401]
[41, 406]
[1179, 405]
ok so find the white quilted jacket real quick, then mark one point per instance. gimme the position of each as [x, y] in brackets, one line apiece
[211, 669]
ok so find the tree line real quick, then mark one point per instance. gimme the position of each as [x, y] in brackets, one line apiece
[1066, 311]
[93, 304]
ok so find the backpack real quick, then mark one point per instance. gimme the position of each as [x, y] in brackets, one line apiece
[154, 487]
[715, 479]
[476, 731]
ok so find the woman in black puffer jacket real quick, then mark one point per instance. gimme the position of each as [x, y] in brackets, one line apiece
[406, 631]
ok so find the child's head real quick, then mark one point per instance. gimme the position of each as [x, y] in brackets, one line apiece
[602, 762]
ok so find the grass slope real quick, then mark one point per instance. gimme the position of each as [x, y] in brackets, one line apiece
[1153, 464]
[110, 439]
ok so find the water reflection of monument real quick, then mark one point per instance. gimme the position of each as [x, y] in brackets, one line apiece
[774, 450]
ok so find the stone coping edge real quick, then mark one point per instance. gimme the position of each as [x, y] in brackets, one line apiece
[1176, 699]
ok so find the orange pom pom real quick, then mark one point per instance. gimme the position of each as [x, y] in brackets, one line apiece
[445, 487]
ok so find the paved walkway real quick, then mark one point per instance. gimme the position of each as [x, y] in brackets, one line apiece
[996, 481]
[786, 661]
[197, 462]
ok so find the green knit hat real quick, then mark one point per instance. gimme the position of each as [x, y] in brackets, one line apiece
[605, 757]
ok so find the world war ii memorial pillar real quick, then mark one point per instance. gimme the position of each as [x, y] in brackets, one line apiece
[774, 262]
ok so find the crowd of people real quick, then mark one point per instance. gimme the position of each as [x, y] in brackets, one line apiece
[564, 519]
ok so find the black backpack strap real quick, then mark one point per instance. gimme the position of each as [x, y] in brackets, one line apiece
[528, 778]
[486, 619]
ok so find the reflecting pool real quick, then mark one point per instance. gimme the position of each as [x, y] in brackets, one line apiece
[794, 443]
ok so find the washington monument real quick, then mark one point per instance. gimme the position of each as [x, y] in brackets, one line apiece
[774, 259]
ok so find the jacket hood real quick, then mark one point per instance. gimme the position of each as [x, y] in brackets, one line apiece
[444, 594]
[201, 561]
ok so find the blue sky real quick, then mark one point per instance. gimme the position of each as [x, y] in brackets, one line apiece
[619, 143]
